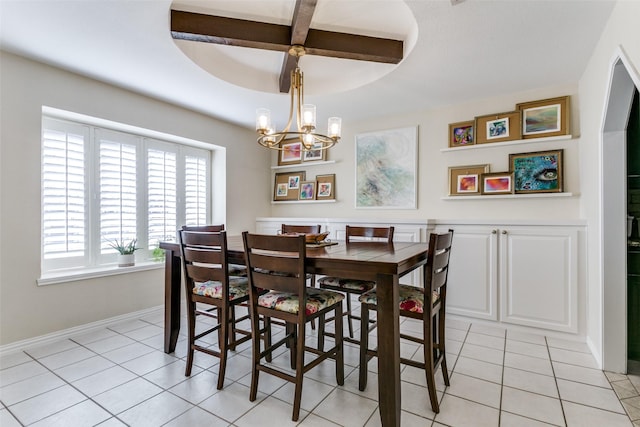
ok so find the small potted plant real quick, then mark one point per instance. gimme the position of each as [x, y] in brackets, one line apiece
[126, 256]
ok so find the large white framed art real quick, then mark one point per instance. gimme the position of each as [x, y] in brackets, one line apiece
[387, 169]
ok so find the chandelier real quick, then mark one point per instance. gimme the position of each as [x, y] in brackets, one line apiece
[304, 132]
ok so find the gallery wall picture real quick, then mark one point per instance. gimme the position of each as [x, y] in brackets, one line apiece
[386, 169]
[545, 118]
[537, 172]
[286, 185]
[465, 180]
[326, 187]
[461, 134]
[496, 183]
[498, 127]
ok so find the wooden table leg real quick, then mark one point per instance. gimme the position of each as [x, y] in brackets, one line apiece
[388, 350]
[171, 300]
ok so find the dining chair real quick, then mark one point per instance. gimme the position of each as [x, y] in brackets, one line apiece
[426, 303]
[351, 286]
[278, 290]
[234, 269]
[211, 292]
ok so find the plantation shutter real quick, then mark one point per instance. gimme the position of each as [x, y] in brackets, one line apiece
[64, 233]
[117, 188]
[161, 195]
[196, 194]
[102, 186]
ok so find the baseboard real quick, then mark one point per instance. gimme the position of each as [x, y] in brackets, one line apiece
[66, 333]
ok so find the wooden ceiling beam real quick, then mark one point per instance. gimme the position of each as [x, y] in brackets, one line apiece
[300, 24]
[260, 35]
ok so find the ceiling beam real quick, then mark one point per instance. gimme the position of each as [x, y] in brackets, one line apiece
[261, 35]
[300, 24]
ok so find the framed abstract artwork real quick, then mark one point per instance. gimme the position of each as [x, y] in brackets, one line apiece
[315, 154]
[545, 118]
[496, 183]
[465, 180]
[461, 134]
[386, 169]
[537, 172]
[498, 127]
[291, 153]
[286, 185]
[326, 187]
[307, 190]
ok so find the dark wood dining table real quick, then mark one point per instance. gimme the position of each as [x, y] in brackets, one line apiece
[384, 263]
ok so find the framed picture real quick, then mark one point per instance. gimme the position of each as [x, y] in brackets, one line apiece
[465, 180]
[497, 183]
[461, 134]
[544, 118]
[307, 190]
[326, 187]
[314, 154]
[387, 169]
[539, 172]
[498, 127]
[287, 185]
[290, 154]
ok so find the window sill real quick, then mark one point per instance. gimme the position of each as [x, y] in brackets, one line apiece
[65, 276]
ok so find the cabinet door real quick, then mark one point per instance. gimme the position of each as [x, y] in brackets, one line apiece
[538, 277]
[472, 281]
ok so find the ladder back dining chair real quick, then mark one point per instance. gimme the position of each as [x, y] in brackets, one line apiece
[352, 286]
[211, 292]
[278, 290]
[426, 303]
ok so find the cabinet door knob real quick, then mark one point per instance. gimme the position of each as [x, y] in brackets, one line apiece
[494, 231]
[504, 231]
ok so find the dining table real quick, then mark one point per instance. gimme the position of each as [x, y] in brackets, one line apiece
[382, 263]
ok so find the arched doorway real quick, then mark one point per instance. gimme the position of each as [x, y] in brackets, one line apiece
[613, 213]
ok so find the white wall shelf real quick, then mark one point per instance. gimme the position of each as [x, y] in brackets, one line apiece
[302, 202]
[502, 144]
[509, 196]
[304, 164]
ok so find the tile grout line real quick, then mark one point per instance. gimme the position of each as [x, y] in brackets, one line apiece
[504, 356]
[555, 380]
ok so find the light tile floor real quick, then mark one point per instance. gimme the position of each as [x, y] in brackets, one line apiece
[120, 376]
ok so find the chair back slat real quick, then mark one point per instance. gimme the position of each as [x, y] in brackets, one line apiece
[207, 228]
[291, 228]
[201, 254]
[378, 233]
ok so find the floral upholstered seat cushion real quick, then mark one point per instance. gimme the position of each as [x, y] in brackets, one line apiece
[339, 283]
[411, 298]
[238, 288]
[317, 299]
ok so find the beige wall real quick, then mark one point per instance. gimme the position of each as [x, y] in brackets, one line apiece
[28, 310]
[433, 166]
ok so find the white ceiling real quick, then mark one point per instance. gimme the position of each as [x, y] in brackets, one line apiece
[475, 49]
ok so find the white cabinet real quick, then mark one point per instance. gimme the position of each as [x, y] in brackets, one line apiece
[523, 275]
[473, 272]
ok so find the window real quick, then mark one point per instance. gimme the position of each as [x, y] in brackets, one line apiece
[100, 185]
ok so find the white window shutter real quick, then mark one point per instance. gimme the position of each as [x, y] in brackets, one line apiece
[162, 195]
[117, 164]
[63, 191]
[195, 193]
